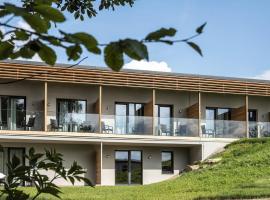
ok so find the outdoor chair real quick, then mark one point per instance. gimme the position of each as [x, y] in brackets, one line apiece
[86, 127]
[30, 124]
[55, 126]
[163, 130]
[207, 132]
[106, 128]
[181, 130]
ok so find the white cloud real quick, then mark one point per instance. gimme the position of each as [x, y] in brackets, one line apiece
[148, 65]
[265, 75]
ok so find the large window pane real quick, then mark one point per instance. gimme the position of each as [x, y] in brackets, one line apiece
[71, 113]
[167, 162]
[136, 167]
[121, 167]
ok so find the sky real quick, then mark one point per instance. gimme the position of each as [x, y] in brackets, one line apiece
[235, 42]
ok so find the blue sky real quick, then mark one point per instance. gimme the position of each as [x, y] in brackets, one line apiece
[236, 41]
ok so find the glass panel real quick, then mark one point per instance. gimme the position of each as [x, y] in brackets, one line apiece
[2, 161]
[136, 167]
[71, 113]
[121, 167]
[210, 117]
[18, 152]
[167, 162]
[165, 120]
[121, 118]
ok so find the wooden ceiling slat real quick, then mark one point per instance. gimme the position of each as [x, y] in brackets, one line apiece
[132, 79]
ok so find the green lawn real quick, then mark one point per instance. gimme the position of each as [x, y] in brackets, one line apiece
[244, 172]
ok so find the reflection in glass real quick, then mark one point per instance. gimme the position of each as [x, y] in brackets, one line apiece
[121, 167]
[128, 167]
[12, 115]
[136, 167]
[71, 113]
[167, 162]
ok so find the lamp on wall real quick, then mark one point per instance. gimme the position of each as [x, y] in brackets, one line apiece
[108, 156]
[149, 157]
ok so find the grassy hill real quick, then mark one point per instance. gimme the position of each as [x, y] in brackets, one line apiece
[243, 172]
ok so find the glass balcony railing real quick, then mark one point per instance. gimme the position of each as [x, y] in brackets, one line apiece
[223, 128]
[21, 120]
[131, 125]
[73, 122]
[184, 127]
[259, 129]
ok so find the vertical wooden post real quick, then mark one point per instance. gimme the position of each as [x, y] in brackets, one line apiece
[100, 108]
[247, 121]
[200, 114]
[153, 111]
[101, 162]
[45, 104]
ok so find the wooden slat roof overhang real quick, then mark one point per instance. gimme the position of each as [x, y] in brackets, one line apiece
[16, 70]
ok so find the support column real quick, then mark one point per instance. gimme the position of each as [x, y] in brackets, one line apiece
[101, 162]
[200, 114]
[45, 105]
[247, 121]
[153, 110]
[100, 108]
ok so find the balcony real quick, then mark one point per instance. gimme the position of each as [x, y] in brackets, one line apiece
[259, 129]
[130, 125]
[73, 122]
[223, 128]
[183, 127]
[21, 120]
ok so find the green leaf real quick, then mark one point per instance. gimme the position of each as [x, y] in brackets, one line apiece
[161, 33]
[4, 13]
[74, 52]
[195, 47]
[199, 30]
[135, 49]
[113, 54]
[21, 35]
[47, 54]
[26, 52]
[6, 49]
[12, 9]
[36, 23]
[50, 13]
[88, 41]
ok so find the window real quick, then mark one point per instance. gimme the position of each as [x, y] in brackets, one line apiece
[12, 112]
[128, 167]
[71, 113]
[167, 162]
[128, 118]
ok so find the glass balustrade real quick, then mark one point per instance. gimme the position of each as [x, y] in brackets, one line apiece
[183, 127]
[20, 120]
[73, 122]
[130, 125]
[259, 129]
[223, 128]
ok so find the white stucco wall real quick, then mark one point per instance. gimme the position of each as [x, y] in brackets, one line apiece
[85, 155]
[179, 100]
[151, 167]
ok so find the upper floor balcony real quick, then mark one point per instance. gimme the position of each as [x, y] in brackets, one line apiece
[61, 107]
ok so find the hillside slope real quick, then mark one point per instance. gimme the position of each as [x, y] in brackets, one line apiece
[243, 172]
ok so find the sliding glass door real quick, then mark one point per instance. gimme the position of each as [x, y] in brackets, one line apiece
[13, 114]
[71, 113]
[128, 119]
[128, 167]
[216, 120]
[163, 114]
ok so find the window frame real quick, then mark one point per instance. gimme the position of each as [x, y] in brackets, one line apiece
[172, 163]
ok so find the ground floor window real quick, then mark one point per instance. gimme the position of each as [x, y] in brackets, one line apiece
[128, 167]
[6, 154]
[167, 162]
